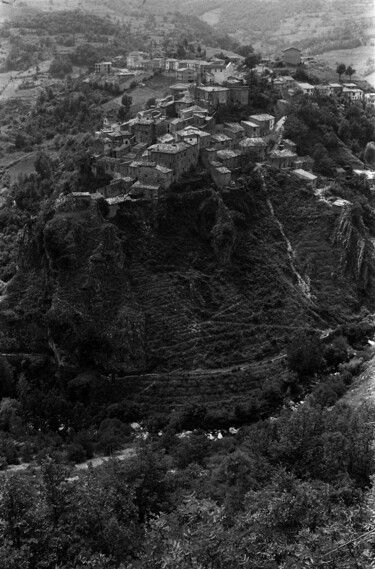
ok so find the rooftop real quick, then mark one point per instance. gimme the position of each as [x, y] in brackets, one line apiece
[223, 170]
[180, 86]
[292, 47]
[164, 170]
[165, 138]
[303, 85]
[228, 154]
[249, 123]
[234, 126]
[169, 148]
[262, 117]
[136, 164]
[253, 142]
[212, 89]
[282, 154]
[138, 186]
[221, 138]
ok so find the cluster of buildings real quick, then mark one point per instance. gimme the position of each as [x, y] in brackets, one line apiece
[144, 156]
[215, 72]
[288, 86]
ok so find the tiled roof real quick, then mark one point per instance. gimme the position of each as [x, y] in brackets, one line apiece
[169, 148]
[253, 143]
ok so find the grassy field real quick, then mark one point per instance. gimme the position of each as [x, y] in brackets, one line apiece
[356, 57]
[156, 86]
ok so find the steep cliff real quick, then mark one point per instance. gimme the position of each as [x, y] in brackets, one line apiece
[192, 299]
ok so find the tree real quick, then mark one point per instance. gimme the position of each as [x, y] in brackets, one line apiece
[43, 165]
[19, 141]
[340, 69]
[370, 153]
[126, 102]
[304, 354]
[350, 71]
[150, 102]
[245, 50]
[252, 60]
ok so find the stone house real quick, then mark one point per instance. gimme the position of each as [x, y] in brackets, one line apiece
[281, 158]
[292, 56]
[179, 157]
[135, 60]
[335, 88]
[252, 129]
[117, 187]
[231, 159]
[164, 176]
[323, 90]
[234, 130]
[187, 102]
[218, 72]
[308, 178]
[178, 90]
[103, 68]
[144, 130]
[221, 141]
[306, 88]
[265, 121]
[352, 94]
[186, 75]
[220, 175]
[191, 134]
[149, 192]
[254, 148]
[212, 96]
[171, 65]
[370, 98]
[208, 155]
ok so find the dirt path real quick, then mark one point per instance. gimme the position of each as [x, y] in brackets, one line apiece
[121, 455]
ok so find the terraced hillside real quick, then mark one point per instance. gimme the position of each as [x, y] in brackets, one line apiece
[195, 300]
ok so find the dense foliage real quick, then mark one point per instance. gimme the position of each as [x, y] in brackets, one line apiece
[284, 493]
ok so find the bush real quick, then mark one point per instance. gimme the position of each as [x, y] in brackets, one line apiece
[336, 352]
[305, 354]
[76, 453]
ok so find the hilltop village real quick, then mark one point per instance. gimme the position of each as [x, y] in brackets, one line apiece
[181, 132]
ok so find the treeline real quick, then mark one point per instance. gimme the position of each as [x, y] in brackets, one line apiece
[286, 492]
[72, 22]
[318, 126]
[46, 31]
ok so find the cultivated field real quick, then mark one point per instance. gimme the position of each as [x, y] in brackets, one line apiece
[156, 86]
[357, 58]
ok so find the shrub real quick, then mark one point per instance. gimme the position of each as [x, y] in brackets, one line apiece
[305, 354]
[76, 453]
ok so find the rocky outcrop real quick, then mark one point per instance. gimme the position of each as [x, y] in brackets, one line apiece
[358, 252]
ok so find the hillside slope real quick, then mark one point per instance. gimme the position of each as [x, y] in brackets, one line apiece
[194, 300]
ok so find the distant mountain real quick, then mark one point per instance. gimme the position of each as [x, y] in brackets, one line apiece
[272, 24]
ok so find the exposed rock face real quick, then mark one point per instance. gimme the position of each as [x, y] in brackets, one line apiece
[357, 248]
[223, 234]
[204, 283]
